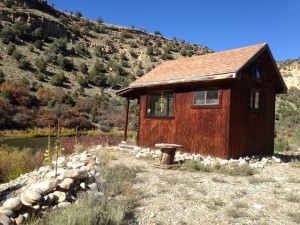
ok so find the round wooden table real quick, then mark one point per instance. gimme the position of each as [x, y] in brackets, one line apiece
[167, 154]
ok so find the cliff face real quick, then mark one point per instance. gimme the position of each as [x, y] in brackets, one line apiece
[51, 27]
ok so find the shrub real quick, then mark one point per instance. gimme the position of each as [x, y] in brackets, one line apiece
[157, 32]
[65, 63]
[78, 14]
[281, 144]
[31, 48]
[10, 48]
[59, 46]
[83, 68]
[63, 19]
[24, 64]
[21, 30]
[38, 33]
[99, 20]
[58, 79]
[8, 3]
[2, 76]
[17, 55]
[40, 77]
[7, 35]
[82, 82]
[41, 64]
[14, 162]
[38, 44]
[183, 52]
[149, 50]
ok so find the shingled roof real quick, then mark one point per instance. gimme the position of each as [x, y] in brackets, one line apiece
[223, 64]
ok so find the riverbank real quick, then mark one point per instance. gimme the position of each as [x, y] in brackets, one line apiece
[65, 132]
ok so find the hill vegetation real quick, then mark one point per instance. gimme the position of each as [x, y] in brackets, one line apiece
[58, 64]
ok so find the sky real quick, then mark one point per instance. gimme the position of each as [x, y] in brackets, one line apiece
[217, 24]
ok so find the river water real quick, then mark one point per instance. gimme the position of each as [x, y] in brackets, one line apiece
[35, 144]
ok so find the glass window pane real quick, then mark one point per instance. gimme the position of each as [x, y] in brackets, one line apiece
[212, 97]
[256, 106]
[160, 104]
[199, 97]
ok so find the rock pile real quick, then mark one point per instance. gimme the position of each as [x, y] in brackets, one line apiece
[43, 190]
[254, 161]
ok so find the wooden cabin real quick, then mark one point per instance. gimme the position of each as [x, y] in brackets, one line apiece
[219, 104]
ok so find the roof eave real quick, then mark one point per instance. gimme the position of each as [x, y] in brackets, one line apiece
[186, 80]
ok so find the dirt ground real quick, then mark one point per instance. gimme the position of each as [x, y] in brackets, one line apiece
[272, 196]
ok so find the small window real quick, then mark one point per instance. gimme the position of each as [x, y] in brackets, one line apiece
[160, 104]
[208, 96]
[255, 71]
[254, 99]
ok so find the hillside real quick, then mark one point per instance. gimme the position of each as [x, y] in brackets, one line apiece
[68, 65]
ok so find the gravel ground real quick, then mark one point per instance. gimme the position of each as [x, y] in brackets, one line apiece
[272, 196]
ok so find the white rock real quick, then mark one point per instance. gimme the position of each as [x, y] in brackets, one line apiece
[278, 160]
[44, 169]
[76, 174]
[59, 196]
[13, 204]
[257, 206]
[63, 204]
[264, 160]
[137, 148]
[61, 162]
[33, 195]
[67, 183]
[47, 185]
[93, 186]
[197, 158]
[51, 197]
[9, 213]
[83, 185]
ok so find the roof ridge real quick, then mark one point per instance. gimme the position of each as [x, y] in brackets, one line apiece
[212, 53]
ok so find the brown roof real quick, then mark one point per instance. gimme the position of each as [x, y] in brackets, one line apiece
[225, 63]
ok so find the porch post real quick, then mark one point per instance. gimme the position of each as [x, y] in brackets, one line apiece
[126, 122]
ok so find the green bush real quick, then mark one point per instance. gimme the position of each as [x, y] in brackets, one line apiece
[17, 55]
[38, 33]
[24, 64]
[21, 30]
[41, 64]
[40, 77]
[78, 14]
[83, 68]
[58, 79]
[99, 20]
[281, 144]
[38, 44]
[31, 48]
[59, 46]
[149, 50]
[7, 35]
[65, 63]
[10, 48]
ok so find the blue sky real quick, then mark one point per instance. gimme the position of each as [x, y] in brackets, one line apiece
[218, 24]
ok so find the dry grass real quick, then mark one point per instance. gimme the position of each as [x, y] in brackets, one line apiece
[293, 198]
[233, 170]
[295, 216]
[114, 207]
[260, 180]
[15, 162]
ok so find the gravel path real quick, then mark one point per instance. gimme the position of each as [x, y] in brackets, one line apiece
[179, 197]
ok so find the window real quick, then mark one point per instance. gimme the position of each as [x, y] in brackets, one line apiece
[255, 71]
[254, 99]
[206, 97]
[160, 104]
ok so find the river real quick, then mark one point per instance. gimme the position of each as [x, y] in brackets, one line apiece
[32, 143]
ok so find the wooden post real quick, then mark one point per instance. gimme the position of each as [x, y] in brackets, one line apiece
[167, 156]
[126, 122]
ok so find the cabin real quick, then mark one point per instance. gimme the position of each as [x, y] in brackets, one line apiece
[219, 104]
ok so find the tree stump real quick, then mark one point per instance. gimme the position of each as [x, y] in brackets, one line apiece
[167, 154]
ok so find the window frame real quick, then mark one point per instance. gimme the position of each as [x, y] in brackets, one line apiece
[216, 106]
[256, 68]
[160, 117]
[252, 101]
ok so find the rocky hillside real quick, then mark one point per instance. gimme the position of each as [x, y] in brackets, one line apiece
[62, 59]
[290, 70]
